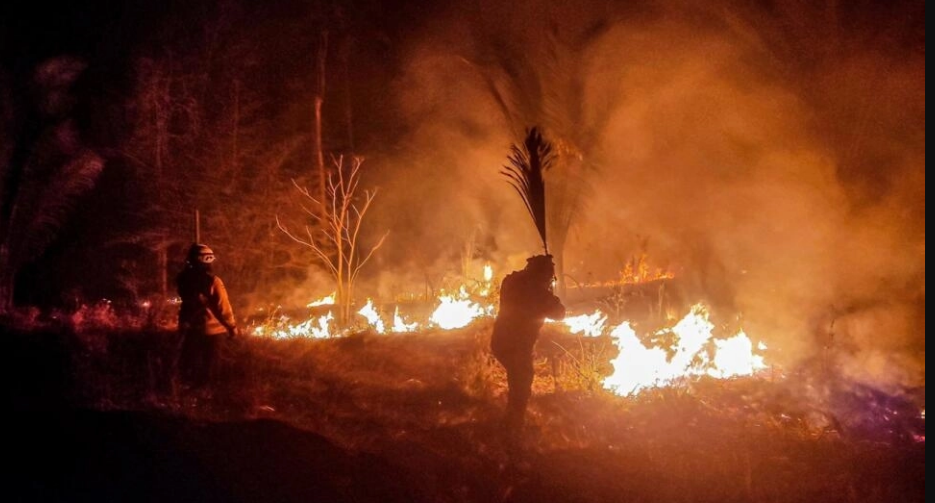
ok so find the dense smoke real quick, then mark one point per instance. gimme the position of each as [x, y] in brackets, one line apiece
[774, 160]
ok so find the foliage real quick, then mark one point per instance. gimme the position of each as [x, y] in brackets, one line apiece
[203, 134]
[44, 168]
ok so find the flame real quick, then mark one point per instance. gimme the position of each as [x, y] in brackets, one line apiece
[321, 331]
[400, 326]
[735, 357]
[316, 328]
[692, 331]
[692, 351]
[638, 271]
[457, 311]
[589, 325]
[373, 317]
[638, 367]
[453, 311]
[487, 285]
[327, 300]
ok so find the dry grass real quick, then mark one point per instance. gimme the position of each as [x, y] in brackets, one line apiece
[430, 403]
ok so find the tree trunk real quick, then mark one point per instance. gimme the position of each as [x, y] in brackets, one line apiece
[320, 156]
[321, 60]
[235, 133]
[163, 265]
[7, 281]
[348, 104]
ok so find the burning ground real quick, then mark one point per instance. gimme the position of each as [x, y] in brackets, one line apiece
[415, 417]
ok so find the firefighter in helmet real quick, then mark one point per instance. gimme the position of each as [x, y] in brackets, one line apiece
[205, 316]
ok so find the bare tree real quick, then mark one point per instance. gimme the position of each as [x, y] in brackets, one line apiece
[335, 238]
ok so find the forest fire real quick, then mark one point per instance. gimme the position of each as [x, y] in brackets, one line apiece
[638, 271]
[686, 350]
[314, 328]
[373, 317]
[638, 367]
[469, 251]
[457, 311]
[327, 300]
[589, 325]
[400, 326]
[635, 271]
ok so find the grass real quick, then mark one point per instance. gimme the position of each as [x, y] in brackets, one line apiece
[430, 404]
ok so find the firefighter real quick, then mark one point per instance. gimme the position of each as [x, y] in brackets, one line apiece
[526, 300]
[205, 317]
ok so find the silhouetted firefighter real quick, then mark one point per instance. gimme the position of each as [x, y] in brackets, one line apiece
[526, 300]
[526, 297]
[204, 317]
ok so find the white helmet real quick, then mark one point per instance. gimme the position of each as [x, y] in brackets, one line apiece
[200, 253]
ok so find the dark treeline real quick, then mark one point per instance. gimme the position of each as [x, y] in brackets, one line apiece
[183, 106]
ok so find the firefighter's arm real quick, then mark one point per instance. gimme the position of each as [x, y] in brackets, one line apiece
[554, 310]
[221, 307]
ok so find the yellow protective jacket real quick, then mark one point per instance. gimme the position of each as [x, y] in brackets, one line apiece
[205, 307]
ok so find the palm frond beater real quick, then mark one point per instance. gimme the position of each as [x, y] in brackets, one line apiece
[524, 173]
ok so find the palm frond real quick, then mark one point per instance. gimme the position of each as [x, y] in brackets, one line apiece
[528, 163]
[44, 204]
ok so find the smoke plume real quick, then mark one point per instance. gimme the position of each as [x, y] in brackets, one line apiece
[773, 159]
